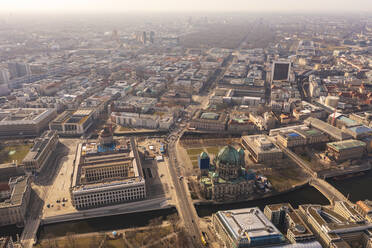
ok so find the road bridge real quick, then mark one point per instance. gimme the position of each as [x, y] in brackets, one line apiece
[330, 192]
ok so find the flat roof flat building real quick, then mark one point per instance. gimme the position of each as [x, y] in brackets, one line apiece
[287, 218]
[107, 175]
[14, 198]
[26, 122]
[333, 229]
[261, 148]
[281, 71]
[209, 121]
[247, 227]
[42, 149]
[334, 132]
[73, 122]
[346, 149]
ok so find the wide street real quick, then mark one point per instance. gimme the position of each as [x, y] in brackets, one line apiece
[185, 206]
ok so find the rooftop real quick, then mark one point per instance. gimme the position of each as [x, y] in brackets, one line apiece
[248, 223]
[260, 143]
[360, 129]
[18, 190]
[24, 115]
[39, 145]
[346, 144]
[92, 156]
[334, 132]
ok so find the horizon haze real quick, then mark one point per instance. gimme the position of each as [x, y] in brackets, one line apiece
[117, 6]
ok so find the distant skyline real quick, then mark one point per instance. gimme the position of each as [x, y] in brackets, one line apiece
[99, 6]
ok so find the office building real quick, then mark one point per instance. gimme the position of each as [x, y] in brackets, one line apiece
[364, 118]
[25, 121]
[4, 76]
[333, 132]
[346, 149]
[209, 121]
[240, 124]
[281, 71]
[276, 212]
[152, 37]
[41, 151]
[359, 132]
[142, 120]
[291, 139]
[73, 122]
[365, 209]
[334, 230]
[106, 174]
[14, 198]
[246, 227]
[261, 149]
[282, 215]
[313, 136]
[348, 212]
[17, 69]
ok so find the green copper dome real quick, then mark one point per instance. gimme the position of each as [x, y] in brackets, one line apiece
[203, 155]
[228, 155]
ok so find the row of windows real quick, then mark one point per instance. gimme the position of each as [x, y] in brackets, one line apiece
[107, 173]
[111, 168]
[110, 197]
[125, 191]
[84, 204]
[111, 194]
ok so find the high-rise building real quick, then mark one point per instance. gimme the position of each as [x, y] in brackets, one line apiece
[4, 76]
[281, 71]
[18, 70]
[144, 37]
[152, 37]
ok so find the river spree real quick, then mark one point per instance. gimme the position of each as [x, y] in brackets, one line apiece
[300, 196]
[356, 188]
[108, 223]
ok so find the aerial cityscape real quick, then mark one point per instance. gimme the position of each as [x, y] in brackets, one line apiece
[211, 124]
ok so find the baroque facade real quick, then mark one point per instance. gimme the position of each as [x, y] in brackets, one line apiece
[226, 178]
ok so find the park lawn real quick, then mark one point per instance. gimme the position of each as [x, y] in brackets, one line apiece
[285, 179]
[20, 153]
[213, 150]
[194, 151]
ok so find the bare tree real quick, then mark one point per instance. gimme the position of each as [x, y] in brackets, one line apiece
[71, 240]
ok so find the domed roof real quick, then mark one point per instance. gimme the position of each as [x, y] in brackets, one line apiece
[203, 155]
[228, 155]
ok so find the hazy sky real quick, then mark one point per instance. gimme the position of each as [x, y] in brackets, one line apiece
[184, 5]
